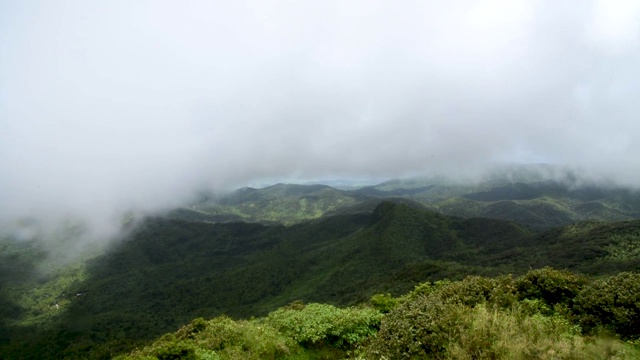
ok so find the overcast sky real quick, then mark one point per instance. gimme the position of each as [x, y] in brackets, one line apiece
[112, 105]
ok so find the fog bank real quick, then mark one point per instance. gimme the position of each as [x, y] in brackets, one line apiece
[115, 107]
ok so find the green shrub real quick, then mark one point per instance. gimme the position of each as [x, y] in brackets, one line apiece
[244, 340]
[473, 290]
[320, 324]
[192, 329]
[419, 328]
[425, 288]
[433, 313]
[552, 286]
[169, 347]
[505, 334]
[383, 302]
[612, 303]
[220, 338]
[430, 329]
[530, 307]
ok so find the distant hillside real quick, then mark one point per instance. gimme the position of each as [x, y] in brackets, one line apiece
[280, 203]
[171, 271]
[548, 204]
[521, 197]
[541, 205]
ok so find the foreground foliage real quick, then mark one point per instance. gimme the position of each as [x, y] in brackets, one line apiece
[535, 316]
[322, 324]
[456, 331]
[314, 331]
[543, 314]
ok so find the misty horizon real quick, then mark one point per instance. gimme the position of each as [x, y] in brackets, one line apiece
[108, 108]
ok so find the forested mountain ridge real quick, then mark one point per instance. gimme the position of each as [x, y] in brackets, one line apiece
[170, 271]
[254, 250]
[541, 204]
[280, 203]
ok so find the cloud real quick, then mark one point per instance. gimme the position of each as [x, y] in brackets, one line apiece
[111, 106]
[614, 25]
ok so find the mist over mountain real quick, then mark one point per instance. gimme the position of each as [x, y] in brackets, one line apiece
[541, 196]
[132, 107]
[163, 160]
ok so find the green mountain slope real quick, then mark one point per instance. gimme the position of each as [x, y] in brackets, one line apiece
[170, 271]
[520, 197]
[539, 204]
[280, 203]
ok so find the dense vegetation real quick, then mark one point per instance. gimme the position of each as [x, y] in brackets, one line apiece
[351, 245]
[543, 314]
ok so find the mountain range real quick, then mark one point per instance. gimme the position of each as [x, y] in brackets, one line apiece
[541, 204]
[254, 250]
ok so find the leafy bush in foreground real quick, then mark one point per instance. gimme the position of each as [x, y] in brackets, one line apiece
[472, 290]
[530, 317]
[220, 338]
[417, 328]
[612, 303]
[328, 331]
[320, 324]
[429, 328]
[383, 302]
[552, 286]
[543, 314]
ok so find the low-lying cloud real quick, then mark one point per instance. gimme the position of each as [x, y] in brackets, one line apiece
[108, 107]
